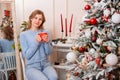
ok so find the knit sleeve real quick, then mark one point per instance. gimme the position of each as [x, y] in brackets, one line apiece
[48, 46]
[28, 51]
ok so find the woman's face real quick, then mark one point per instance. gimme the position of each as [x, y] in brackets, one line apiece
[37, 20]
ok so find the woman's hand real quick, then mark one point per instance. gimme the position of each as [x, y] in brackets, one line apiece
[45, 38]
[38, 38]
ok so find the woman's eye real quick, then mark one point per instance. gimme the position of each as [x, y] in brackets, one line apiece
[35, 17]
[40, 19]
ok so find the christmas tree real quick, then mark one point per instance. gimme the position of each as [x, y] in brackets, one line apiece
[7, 19]
[95, 54]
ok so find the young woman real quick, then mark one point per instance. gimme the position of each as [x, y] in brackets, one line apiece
[36, 47]
[7, 39]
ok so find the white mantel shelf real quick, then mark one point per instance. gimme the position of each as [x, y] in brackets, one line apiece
[62, 45]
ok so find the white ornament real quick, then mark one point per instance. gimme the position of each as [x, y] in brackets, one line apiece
[109, 35]
[88, 33]
[106, 12]
[116, 18]
[92, 50]
[71, 57]
[99, 41]
[111, 59]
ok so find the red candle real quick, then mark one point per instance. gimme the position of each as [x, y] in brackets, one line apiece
[70, 30]
[61, 23]
[66, 27]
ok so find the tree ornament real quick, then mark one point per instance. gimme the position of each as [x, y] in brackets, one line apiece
[81, 49]
[92, 50]
[99, 41]
[111, 59]
[109, 35]
[76, 74]
[93, 21]
[106, 12]
[97, 60]
[87, 7]
[106, 49]
[87, 33]
[93, 38]
[115, 18]
[95, 32]
[71, 57]
[84, 62]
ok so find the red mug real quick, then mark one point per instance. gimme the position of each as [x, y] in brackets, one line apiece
[42, 34]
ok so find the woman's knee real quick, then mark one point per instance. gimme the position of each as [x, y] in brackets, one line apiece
[53, 77]
[34, 74]
[51, 73]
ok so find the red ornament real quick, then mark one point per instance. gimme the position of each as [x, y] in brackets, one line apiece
[95, 32]
[97, 60]
[87, 7]
[76, 74]
[42, 35]
[93, 38]
[106, 48]
[81, 49]
[93, 21]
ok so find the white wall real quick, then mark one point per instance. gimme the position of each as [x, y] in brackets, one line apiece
[52, 10]
[67, 8]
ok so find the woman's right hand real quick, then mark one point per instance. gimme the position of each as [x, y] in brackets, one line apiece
[38, 38]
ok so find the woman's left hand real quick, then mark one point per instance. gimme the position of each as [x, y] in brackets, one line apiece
[45, 38]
